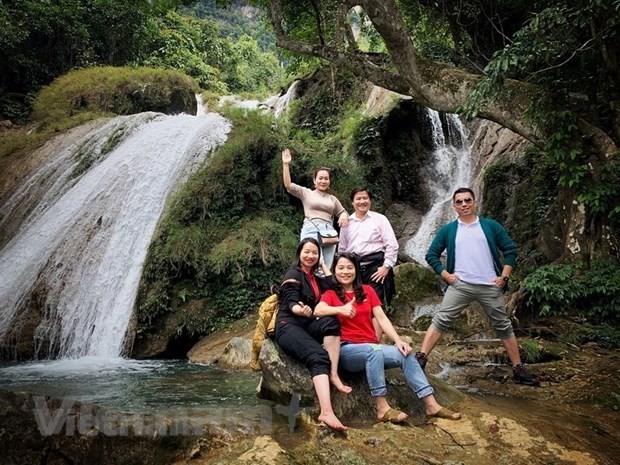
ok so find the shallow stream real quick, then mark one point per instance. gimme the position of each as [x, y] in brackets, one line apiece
[134, 385]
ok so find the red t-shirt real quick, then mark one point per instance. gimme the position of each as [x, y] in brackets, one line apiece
[359, 328]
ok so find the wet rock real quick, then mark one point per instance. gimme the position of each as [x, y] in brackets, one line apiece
[236, 353]
[37, 429]
[230, 348]
[416, 287]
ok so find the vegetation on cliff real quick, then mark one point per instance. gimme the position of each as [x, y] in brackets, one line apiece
[87, 93]
[44, 40]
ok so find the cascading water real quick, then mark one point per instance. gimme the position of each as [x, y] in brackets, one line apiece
[86, 238]
[449, 170]
[280, 103]
[276, 104]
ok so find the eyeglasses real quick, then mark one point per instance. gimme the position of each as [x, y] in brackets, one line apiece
[466, 201]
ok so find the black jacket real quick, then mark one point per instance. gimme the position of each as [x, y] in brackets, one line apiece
[291, 293]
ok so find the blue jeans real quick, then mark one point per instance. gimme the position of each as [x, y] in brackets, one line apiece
[374, 358]
[309, 229]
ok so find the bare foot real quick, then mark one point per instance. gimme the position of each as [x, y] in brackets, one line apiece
[338, 384]
[443, 412]
[332, 421]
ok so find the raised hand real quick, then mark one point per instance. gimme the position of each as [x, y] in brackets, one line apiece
[286, 156]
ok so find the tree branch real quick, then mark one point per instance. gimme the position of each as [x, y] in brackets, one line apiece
[433, 84]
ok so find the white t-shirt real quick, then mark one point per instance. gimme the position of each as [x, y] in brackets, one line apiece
[473, 262]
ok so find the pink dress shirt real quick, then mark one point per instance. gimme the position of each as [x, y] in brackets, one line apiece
[371, 234]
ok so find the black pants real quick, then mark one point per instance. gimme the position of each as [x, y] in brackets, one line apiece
[303, 343]
[368, 266]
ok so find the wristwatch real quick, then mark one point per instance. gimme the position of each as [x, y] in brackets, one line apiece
[505, 278]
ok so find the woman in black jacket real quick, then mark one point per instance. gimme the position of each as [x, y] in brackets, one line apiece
[300, 333]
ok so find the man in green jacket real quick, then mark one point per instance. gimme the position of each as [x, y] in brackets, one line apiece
[473, 271]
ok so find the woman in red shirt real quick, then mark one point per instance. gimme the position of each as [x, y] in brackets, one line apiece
[355, 305]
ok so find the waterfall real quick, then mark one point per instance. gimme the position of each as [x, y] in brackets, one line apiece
[200, 106]
[89, 229]
[278, 104]
[450, 168]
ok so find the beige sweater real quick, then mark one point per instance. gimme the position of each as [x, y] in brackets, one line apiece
[317, 204]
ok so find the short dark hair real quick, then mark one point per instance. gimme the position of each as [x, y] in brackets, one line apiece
[304, 241]
[359, 189]
[463, 190]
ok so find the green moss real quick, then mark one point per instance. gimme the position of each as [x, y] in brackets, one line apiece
[531, 352]
[88, 93]
[415, 282]
[519, 195]
[229, 235]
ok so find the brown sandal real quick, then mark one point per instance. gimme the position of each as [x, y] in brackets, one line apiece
[445, 413]
[393, 416]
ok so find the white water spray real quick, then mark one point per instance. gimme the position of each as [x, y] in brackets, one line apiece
[278, 104]
[87, 238]
[449, 170]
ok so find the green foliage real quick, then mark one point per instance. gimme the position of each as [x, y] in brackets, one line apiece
[107, 90]
[604, 335]
[429, 31]
[568, 289]
[235, 20]
[325, 97]
[44, 40]
[552, 51]
[229, 235]
[255, 71]
[519, 195]
[596, 181]
[191, 46]
[531, 352]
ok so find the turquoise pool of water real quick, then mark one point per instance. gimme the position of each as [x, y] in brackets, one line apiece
[134, 385]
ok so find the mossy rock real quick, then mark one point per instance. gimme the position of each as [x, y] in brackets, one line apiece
[114, 91]
[422, 323]
[415, 285]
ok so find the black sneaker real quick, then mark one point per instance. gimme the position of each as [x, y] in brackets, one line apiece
[422, 359]
[521, 375]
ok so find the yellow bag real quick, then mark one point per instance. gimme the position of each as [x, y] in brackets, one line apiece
[265, 326]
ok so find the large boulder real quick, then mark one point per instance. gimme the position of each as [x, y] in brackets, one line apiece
[284, 377]
[416, 290]
[230, 348]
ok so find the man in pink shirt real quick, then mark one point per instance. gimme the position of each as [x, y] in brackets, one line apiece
[370, 236]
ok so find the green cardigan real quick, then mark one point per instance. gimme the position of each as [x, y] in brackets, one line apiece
[496, 235]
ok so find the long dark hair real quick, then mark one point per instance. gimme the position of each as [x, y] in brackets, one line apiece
[360, 295]
[297, 262]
